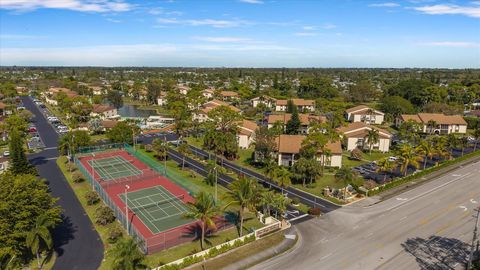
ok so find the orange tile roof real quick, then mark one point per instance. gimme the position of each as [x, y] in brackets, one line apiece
[442, 119]
[296, 101]
[109, 123]
[3, 105]
[293, 143]
[357, 129]
[305, 119]
[229, 94]
[101, 108]
[410, 117]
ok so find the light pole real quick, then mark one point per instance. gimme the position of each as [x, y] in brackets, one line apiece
[216, 182]
[127, 187]
[165, 153]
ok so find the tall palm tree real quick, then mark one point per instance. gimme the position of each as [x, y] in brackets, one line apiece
[346, 175]
[283, 177]
[385, 166]
[8, 261]
[184, 149]
[372, 137]
[161, 150]
[204, 209]
[127, 256]
[407, 157]
[242, 193]
[39, 237]
[280, 204]
[426, 149]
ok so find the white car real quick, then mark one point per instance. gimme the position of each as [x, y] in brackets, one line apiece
[6, 153]
[392, 159]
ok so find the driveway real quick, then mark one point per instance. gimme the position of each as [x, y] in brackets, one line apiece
[76, 242]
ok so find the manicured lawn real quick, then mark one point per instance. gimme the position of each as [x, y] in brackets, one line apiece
[317, 188]
[347, 162]
[197, 142]
[242, 252]
[98, 137]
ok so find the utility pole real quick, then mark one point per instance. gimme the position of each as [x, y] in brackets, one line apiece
[474, 240]
[127, 187]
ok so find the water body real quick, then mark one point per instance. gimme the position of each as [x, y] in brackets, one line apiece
[133, 111]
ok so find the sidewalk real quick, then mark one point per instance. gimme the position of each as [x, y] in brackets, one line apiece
[289, 241]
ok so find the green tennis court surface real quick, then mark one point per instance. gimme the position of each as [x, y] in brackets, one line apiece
[113, 168]
[157, 208]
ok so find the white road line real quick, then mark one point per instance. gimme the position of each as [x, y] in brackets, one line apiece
[50, 148]
[326, 256]
[368, 235]
[52, 158]
[403, 218]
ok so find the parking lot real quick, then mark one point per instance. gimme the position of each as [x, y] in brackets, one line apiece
[56, 123]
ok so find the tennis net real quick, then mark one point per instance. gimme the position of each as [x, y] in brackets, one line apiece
[169, 200]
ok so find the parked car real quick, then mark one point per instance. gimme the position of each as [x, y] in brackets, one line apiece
[6, 153]
[392, 159]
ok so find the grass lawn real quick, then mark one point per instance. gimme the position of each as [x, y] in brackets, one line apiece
[317, 189]
[171, 254]
[242, 252]
[347, 162]
[98, 137]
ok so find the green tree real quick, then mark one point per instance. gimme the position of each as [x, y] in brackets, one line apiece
[293, 125]
[204, 209]
[242, 193]
[127, 256]
[426, 149]
[160, 147]
[265, 144]
[372, 138]
[476, 136]
[346, 175]
[123, 132]
[282, 177]
[386, 166]
[305, 168]
[408, 156]
[73, 140]
[395, 105]
[115, 98]
[18, 159]
[183, 149]
[24, 199]
[39, 238]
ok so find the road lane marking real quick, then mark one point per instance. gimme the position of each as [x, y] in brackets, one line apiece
[473, 201]
[402, 199]
[453, 222]
[326, 256]
[50, 148]
[463, 207]
[403, 218]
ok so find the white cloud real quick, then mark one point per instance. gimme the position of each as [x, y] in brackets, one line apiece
[156, 11]
[222, 39]
[329, 26]
[76, 5]
[113, 20]
[305, 34]
[455, 44]
[203, 22]
[308, 27]
[16, 36]
[252, 1]
[450, 9]
[388, 4]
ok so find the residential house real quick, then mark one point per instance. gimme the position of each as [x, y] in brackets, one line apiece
[202, 114]
[4, 162]
[51, 94]
[305, 120]
[268, 101]
[103, 111]
[229, 96]
[303, 105]
[208, 93]
[435, 123]
[246, 133]
[109, 124]
[183, 89]
[365, 114]
[355, 136]
[289, 148]
[162, 98]
[97, 90]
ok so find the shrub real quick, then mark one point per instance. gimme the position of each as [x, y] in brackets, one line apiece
[114, 234]
[314, 211]
[92, 197]
[356, 154]
[295, 201]
[71, 167]
[77, 177]
[104, 215]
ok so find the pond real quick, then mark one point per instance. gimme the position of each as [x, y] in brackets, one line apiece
[129, 110]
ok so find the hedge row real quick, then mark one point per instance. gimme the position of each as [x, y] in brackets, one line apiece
[213, 252]
[411, 177]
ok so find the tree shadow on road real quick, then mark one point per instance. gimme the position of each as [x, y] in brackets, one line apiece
[437, 253]
[62, 234]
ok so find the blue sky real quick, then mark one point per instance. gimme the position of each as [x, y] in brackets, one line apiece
[245, 33]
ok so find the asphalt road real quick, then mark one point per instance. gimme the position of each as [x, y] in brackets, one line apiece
[76, 242]
[429, 227]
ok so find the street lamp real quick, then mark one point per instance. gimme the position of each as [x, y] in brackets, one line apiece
[127, 187]
[216, 182]
[475, 232]
[93, 172]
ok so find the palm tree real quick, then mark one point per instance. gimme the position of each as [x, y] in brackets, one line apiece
[183, 149]
[431, 124]
[161, 150]
[280, 204]
[39, 237]
[407, 156]
[385, 166]
[282, 177]
[372, 137]
[127, 256]
[426, 149]
[271, 168]
[242, 193]
[8, 261]
[441, 148]
[204, 209]
[463, 143]
[346, 175]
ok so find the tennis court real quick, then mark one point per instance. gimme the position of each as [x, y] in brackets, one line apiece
[157, 208]
[114, 167]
